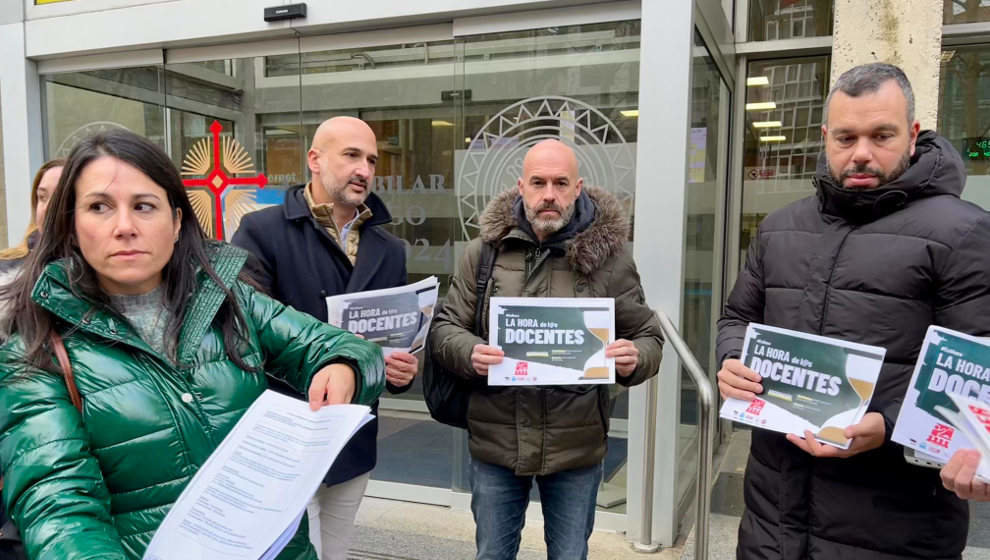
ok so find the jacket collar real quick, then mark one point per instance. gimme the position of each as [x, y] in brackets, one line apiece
[296, 207]
[53, 291]
[588, 248]
[936, 168]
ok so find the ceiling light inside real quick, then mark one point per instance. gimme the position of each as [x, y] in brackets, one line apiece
[761, 106]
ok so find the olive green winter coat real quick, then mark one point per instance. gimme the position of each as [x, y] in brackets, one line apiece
[542, 430]
[97, 485]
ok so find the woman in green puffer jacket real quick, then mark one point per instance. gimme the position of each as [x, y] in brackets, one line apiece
[168, 342]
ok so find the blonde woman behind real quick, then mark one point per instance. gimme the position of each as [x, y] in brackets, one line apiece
[42, 188]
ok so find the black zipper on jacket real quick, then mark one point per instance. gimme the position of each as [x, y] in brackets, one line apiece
[828, 283]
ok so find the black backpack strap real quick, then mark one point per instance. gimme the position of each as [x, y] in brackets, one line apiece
[485, 265]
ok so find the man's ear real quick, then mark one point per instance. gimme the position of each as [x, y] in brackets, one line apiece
[313, 161]
[913, 132]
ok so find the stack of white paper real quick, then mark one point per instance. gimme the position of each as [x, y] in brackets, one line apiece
[247, 500]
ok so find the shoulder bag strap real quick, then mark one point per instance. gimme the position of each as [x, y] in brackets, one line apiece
[485, 265]
[63, 361]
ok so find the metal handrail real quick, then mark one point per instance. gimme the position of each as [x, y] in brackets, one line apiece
[645, 543]
[706, 433]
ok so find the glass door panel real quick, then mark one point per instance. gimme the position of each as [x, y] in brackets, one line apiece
[579, 84]
[78, 104]
[402, 92]
[214, 111]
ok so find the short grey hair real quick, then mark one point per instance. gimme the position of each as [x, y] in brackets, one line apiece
[867, 78]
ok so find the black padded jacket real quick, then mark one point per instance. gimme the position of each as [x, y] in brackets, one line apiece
[875, 267]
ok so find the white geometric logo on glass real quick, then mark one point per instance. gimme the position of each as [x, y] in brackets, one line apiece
[493, 161]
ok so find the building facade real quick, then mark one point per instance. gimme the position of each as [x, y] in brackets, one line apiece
[702, 115]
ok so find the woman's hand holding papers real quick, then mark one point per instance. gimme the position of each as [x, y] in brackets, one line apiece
[959, 476]
[334, 384]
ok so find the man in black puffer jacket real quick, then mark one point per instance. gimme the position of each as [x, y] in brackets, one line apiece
[885, 249]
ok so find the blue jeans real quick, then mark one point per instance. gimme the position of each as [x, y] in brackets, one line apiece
[499, 499]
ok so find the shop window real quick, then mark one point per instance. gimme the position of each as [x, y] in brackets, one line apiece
[965, 11]
[782, 138]
[771, 20]
[964, 114]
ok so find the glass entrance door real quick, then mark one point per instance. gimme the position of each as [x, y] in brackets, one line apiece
[453, 118]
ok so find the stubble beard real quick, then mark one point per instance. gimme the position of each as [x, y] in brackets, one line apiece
[548, 226]
[882, 178]
[342, 196]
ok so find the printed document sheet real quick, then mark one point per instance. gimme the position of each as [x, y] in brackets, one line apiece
[247, 500]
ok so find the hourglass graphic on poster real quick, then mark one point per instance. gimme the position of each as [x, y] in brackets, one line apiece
[552, 341]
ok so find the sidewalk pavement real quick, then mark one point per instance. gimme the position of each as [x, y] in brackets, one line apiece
[392, 530]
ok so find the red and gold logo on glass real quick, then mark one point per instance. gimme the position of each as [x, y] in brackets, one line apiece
[224, 186]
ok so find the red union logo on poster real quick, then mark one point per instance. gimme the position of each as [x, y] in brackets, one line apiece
[522, 369]
[218, 194]
[941, 435]
[755, 407]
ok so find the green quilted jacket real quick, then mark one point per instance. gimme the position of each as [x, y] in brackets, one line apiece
[98, 485]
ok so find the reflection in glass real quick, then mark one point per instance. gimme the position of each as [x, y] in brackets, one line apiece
[78, 104]
[579, 84]
[399, 91]
[965, 11]
[414, 55]
[782, 138]
[213, 112]
[964, 114]
[770, 20]
[706, 177]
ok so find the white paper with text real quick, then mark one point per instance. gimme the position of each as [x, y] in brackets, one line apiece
[252, 490]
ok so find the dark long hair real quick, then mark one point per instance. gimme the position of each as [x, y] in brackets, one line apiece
[35, 324]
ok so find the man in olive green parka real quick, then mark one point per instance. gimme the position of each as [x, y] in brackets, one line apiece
[554, 238]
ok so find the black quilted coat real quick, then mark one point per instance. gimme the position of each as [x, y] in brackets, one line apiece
[875, 267]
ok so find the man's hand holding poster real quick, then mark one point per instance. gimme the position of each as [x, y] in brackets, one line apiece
[397, 319]
[940, 413]
[814, 383]
[552, 341]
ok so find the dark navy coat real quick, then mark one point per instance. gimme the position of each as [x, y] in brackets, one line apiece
[300, 265]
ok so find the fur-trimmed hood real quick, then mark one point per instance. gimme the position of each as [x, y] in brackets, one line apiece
[588, 250]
